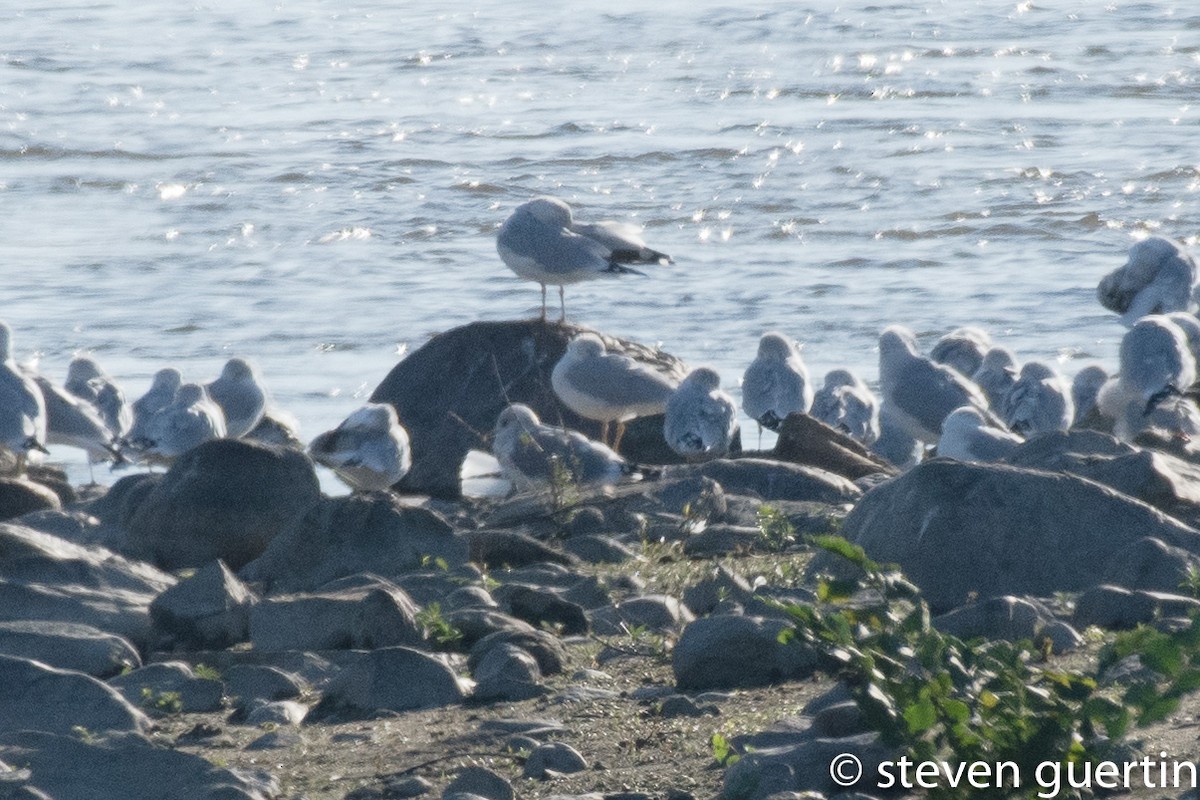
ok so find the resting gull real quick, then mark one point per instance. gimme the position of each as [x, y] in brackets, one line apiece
[962, 349]
[87, 381]
[540, 241]
[191, 419]
[776, 383]
[22, 409]
[847, 404]
[1159, 277]
[1085, 388]
[163, 388]
[996, 375]
[1155, 365]
[700, 419]
[967, 436]
[240, 394]
[76, 423]
[1039, 402]
[369, 450]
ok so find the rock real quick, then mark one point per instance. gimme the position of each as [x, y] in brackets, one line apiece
[702, 597]
[1010, 619]
[208, 610]
[43, 577]
[68, 645]
[248, 684]
[225, 499]
[127, 767]
[480, 782]
[169, 686]
[19, 496]
[719, 540]
[389, 679]
[657, 613]
[595, 549]
[279, 712]
[451, 390]
[362, 612]
[776, 480]
[974, 530]
[476, 623]
[508, 673]
[470, 597]
[538, 607]
[509, 549]
[1116, 608]
[732, 652]
[358, 533]
[553, 757]
[34, 696]
[805, 440]
[804, 766]
[1150, 564]
[546, 649]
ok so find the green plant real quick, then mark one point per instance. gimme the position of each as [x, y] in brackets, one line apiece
[163, 702]
[436, 626]
[206, 672]
[1191, 582]
[936, 698]
[428, 562]
[722, 751]
[774, 528]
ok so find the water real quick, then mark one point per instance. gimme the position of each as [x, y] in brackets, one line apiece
[316, 185]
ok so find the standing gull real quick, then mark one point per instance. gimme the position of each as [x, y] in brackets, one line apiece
[191, 419]
[533, 455]
[369, 450]
[76, 423]
[608, 387]
[996, 376]
[776, 383]
[848, 405]
[700, 419]
[540, 241]
[967, 436]
[962, 349]
[162, 391]
[1159, 277]
[87, 381]
[22, 409]
[240, 394]
[1039, 402]
[917, 392]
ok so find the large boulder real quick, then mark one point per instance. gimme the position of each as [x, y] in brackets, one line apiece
[69, 645]
[344, 536]
[984, 530]
[728, 652]
[226, 499]
[449, 392]
[387, 680]
[36, 697]
[777, 480]
[19, 496]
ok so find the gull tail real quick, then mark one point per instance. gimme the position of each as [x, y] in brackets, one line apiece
[620, 269]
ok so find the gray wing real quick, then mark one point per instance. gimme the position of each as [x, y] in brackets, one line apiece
[771, 386]
[929, 392]
[553, 249]
[621, 381]
[624, 242]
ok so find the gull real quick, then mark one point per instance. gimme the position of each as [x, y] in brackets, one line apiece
[1191, 331]
[369, 450]
[700, 419]
[1039, 402]
[87, 381]
[533, 455]
[162, 391]
[895, 445]
[191, 419]
[540, 241]
[996, 375]
[22, 408]
[1159, 277]
[917, 392]
[967, 436]
[847, 404]
[962, 349]
[1085, 387]
[76, 423]
[1155, 365]
[608, 387]
[776, 383]
[240, 394]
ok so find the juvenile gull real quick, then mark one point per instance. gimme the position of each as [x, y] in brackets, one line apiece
[87, 381]
[847, 404]
[540, 241]
[776, 383]
[608, 387]
[162, 391]
[700, 419]
[962, 349]
[917, 392]
[1085, 388]
[369, 450]
[1039, 402]
[1159, 277]
[190, 420]
[967, 436]
[22, 409]
[996, 375]
[533, 455]
[240, 394]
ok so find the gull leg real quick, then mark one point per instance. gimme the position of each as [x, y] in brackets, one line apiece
[562, 299]
[759, 424]
[617, 439]
[543, 301]
[604, 432]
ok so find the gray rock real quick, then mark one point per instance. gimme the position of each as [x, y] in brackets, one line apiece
[777, 480]
[964, 530]
[481, 782]
[19, 496]
[657, 613]
[1116, 608]
[344, 536]
[154, 687]
[719, 540]
[248, 684]
[389, 679]
[279, 712]
[362, 612]
[1010, 619]
[725, 584]
[542, 607]
[34, 696]
[553, 757]
[730, 652]
[1149, 563]
[43, 577]
[68, 645]
[546, 649]
[460, 381]
[225, 499]
[803, 766]
[597, 549]
[506, 672]
[128, 767]
[506, 549]
[208, 610]
[470, 597]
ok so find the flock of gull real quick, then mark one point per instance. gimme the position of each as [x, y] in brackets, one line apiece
[968, 399]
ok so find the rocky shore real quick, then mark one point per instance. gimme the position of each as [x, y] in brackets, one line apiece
[225, 630]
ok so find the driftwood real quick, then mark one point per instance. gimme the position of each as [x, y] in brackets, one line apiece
[804, 440]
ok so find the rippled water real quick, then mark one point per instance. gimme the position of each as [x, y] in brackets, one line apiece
[317, 185]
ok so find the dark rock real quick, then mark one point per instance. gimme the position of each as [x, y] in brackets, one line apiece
[209, 609]
[156, 687]
[657, 613]
[20, 496]
[1150, 564]
[508, 673]
[68, 645]
[964, 530]
[343, 536]
[1116, 608]
[507, 549]
[1010, 619]
[546, 649]
[777, 480]
[595, 549]
[730, 652]
[225, 499]
[480, 782]
[450, 391]
[389, 679]
[251, 683]
[719, 540]
[553, 758]
[702, 597]
[805, 440]
[538, 607]
[34, 696]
